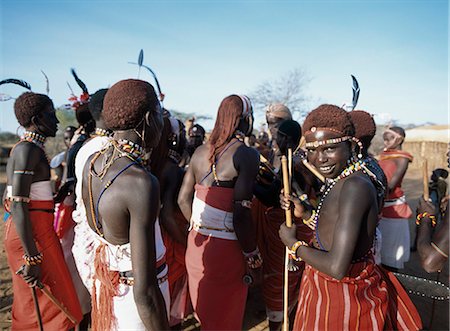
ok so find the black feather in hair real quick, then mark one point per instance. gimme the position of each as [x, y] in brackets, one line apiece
[17, 82]
[47, 88]
[79, 81]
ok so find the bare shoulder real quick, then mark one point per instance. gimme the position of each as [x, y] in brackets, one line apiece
[26, 153]
[358, 185]
[247, 154]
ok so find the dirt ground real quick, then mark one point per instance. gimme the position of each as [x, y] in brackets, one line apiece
[435, 315]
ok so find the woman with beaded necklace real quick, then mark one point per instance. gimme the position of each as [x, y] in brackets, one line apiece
[342, 287]
[122, 200]
[31, 244]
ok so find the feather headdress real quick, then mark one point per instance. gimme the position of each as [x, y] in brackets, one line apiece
[140, 64]
[24, 84]
[47, 89]
[84, 97]
[355, 89]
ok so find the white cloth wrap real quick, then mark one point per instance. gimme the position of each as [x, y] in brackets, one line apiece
[211, 221]
[396, 241]
[125, 309]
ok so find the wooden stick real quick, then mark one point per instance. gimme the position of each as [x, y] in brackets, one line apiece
[287, 192]
[426, 193]
[57, 303]
[290, 165]
[36, 308]
[314, 170]
[286, 187]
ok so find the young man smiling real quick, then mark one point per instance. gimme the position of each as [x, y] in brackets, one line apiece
[342, 287]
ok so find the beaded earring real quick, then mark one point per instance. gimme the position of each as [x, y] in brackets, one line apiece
[360, 147]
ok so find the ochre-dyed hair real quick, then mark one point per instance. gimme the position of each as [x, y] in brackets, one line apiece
[399, 130]
[365, 127]
[329, 116]
[30, 104]
[228, 117]
[96, 103]
[126, 103]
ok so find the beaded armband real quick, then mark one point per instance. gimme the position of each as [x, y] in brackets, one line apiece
[254, 259]
[311, 221]
[24, 172]
[16, 198]
[440, 251]
[33, 260]
[421, 216]
[293, 250]
[244, 203]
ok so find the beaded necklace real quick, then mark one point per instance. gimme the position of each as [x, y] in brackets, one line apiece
[37, 139]
[34, 137]
[102, 132]
[130, 149]
[125, 148]
[330, 183]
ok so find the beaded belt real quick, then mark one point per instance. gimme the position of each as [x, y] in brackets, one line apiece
[127, 278]
[196, 226]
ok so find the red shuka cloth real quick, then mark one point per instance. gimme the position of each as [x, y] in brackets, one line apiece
[369, 298]
[63, 219]
[180, 305]
[268, 221]
[215, 269]
[54, 275]
[387, 163]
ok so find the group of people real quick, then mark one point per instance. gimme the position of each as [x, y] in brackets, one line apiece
[152, 223]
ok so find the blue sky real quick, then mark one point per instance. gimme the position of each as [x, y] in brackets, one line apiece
[203, 51]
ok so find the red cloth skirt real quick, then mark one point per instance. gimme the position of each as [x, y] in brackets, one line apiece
[369, 298]
[54, 275]
[63, 219]
[215, 270]
[180, 303]
[268, 222]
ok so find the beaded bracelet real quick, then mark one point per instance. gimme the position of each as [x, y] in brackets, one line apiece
[17, 198]
[311, 221]
[293, 250]
[33, 260]
[254, 259]
[421, 216]
[440, 251]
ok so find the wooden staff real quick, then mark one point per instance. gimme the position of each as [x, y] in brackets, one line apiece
[52, 298]
[57, 303]
[287, 192]
[313, 170]
[36, 308]
[426, 193]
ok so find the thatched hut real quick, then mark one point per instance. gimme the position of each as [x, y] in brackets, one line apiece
[428, 142]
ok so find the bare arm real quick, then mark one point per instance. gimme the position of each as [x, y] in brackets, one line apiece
[402, 166]
[26, 157]
[147, 295]
[346, 234]
[246, 161]
[432, 260]
[170, 184]
[187, 190]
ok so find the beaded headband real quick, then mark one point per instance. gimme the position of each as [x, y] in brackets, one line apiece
[314, 129]
[318, 143]
[396, 134]
[247, 106]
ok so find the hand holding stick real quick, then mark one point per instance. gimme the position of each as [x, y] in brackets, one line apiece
[49, 295]
[288, 260]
